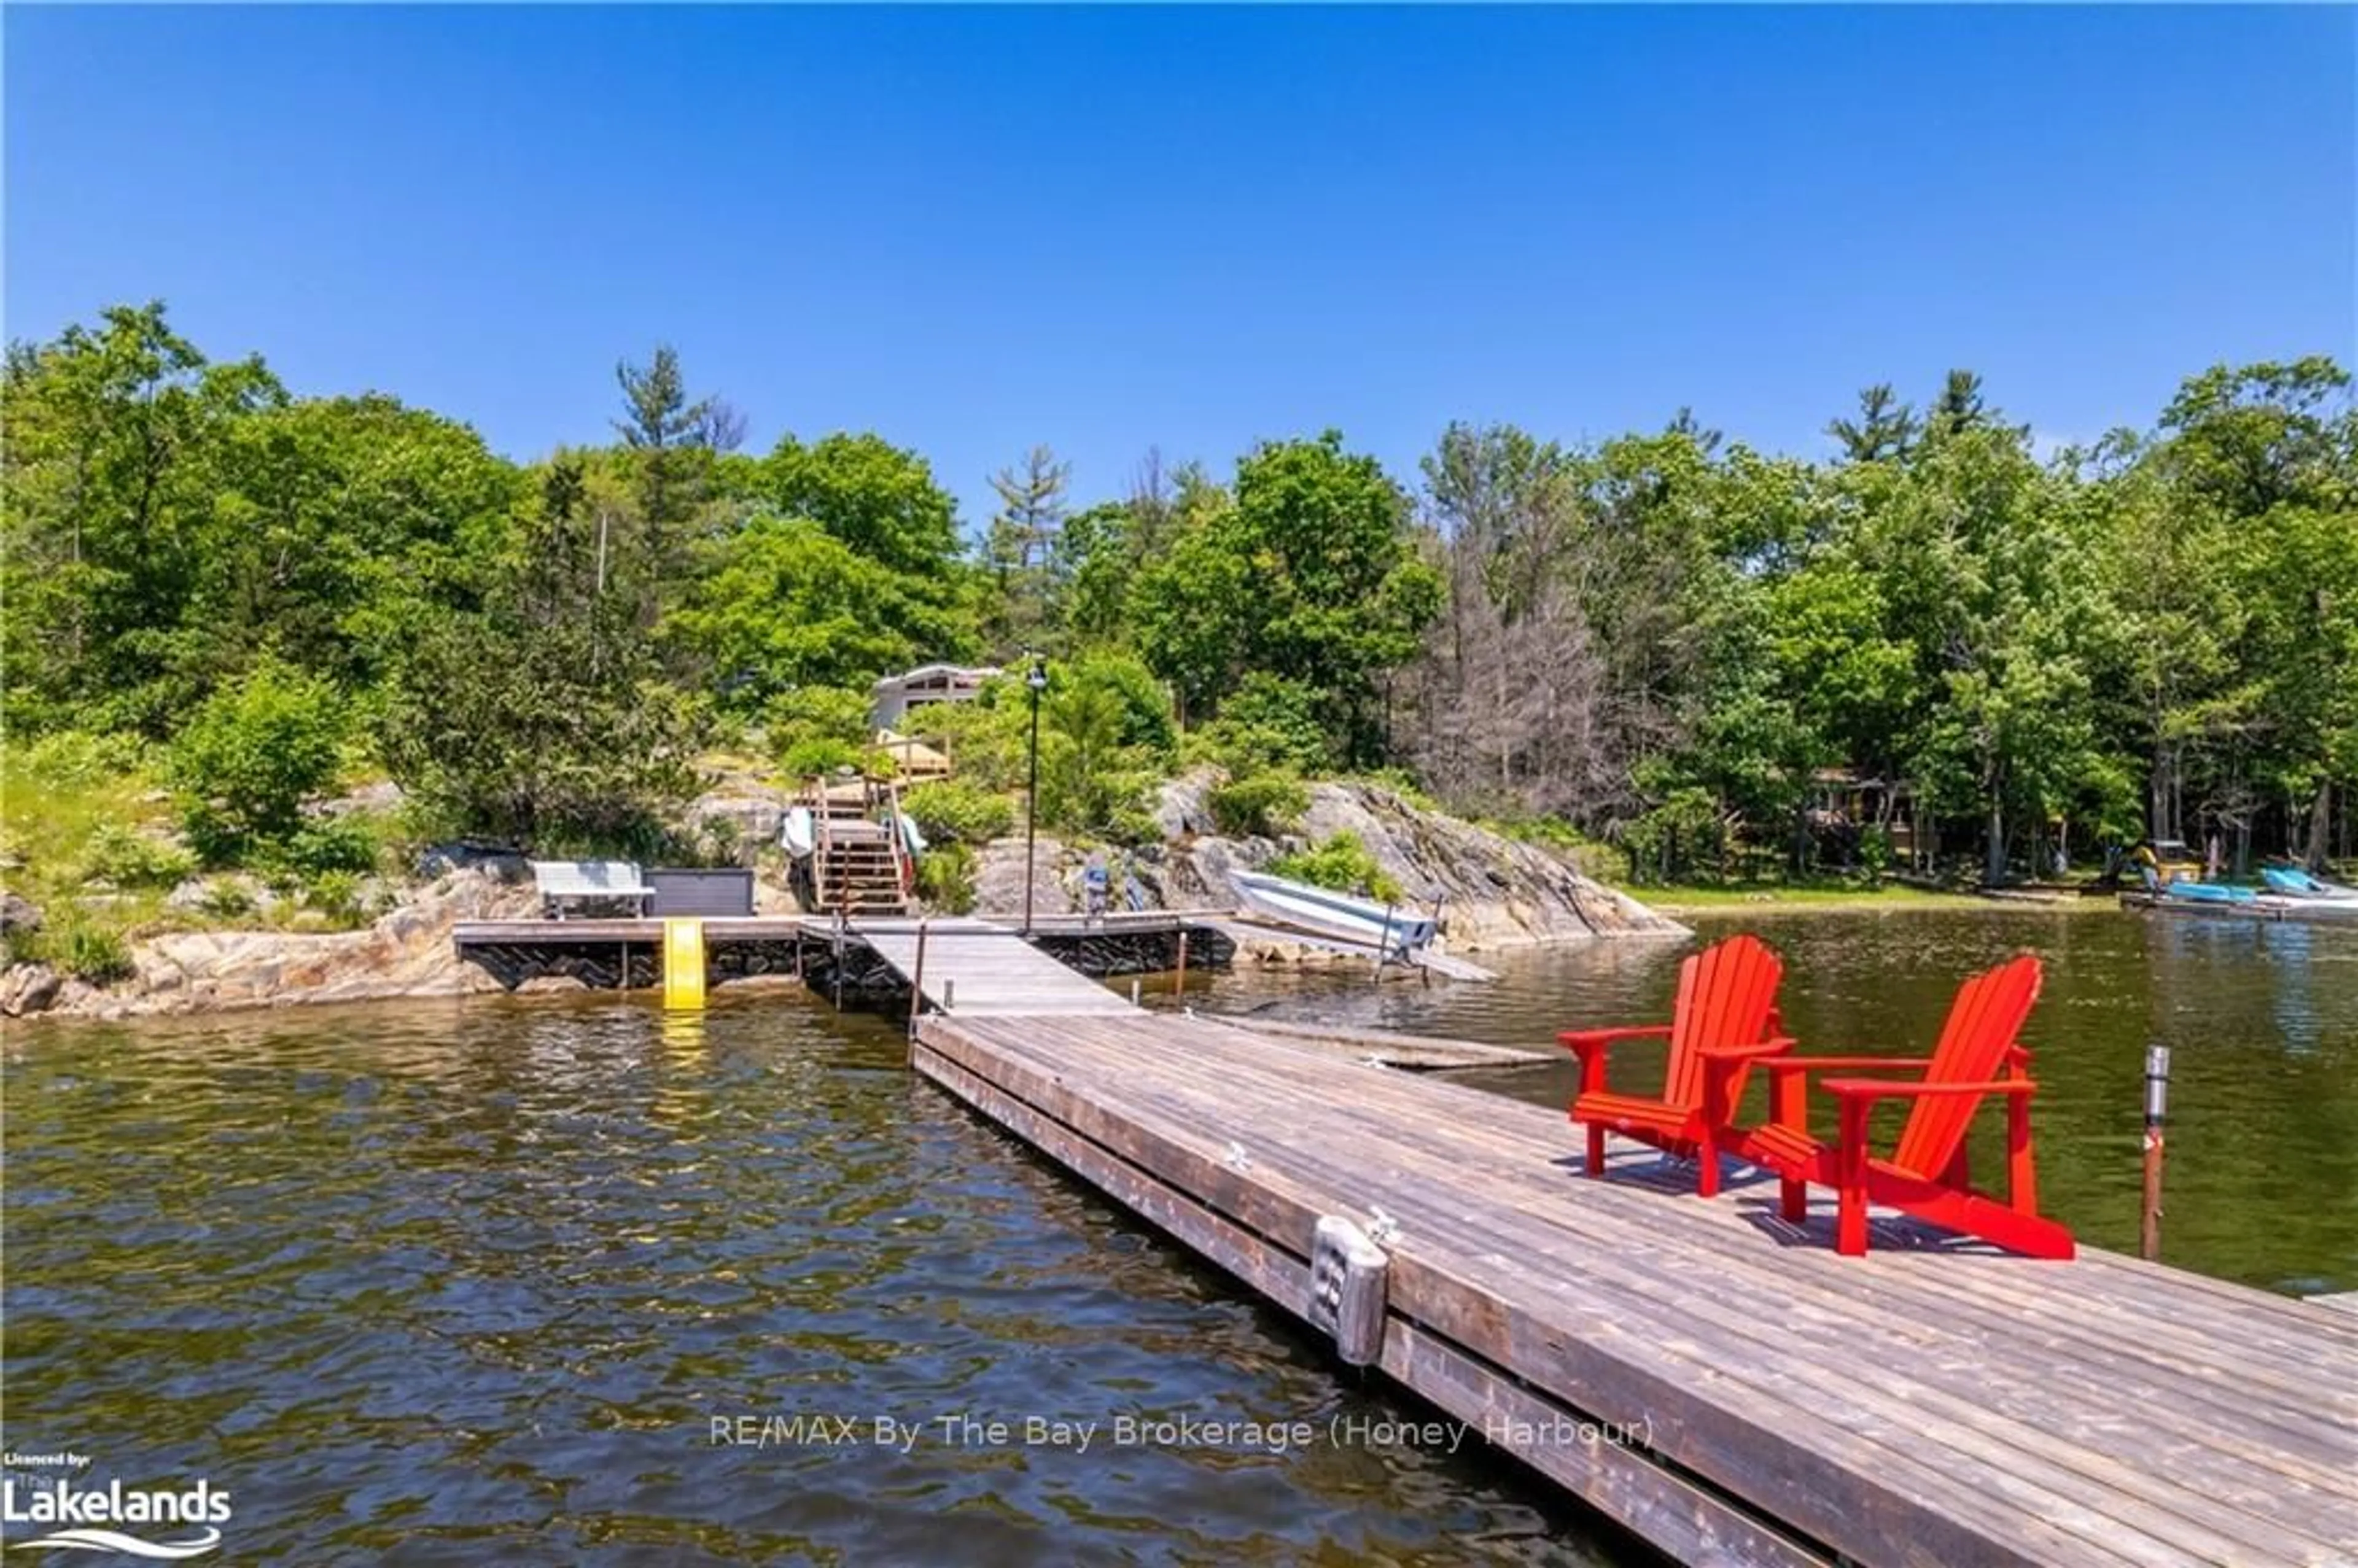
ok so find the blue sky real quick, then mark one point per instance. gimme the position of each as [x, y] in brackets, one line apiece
[976, 229]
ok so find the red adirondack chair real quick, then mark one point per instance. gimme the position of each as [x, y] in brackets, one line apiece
[1979, 1054]
[1726, 1003]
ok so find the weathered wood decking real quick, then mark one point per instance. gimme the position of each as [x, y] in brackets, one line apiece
[983, 970]
[1386, 1048]
[1931, 1403]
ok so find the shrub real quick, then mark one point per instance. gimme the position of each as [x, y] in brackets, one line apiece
[1875, 853]
[130, 860]
[326, 845]
[336, 894]
[92, 953]
[721, 841]
[1342, 863]
[946, 879]
[820, 754]
[986, 740]
[1676, 837]
[1132, 823]
[228, 900]
[1260, 805]
[251, 755]
[953, 812]
[1140, 702]
[77, 759]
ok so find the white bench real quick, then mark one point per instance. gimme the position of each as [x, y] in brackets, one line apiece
[562, 879]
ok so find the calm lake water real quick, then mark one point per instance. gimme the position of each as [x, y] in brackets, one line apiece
[473, 1282]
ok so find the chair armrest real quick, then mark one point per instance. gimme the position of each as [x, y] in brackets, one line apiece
[1594, 1047]
[1587, 1040]
[1776, 1046]
[1888, 1088]
[1830, 1064]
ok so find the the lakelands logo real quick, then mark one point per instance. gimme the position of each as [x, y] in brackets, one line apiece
[167, 1521]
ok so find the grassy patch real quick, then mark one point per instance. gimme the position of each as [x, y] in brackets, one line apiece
[1691, 898]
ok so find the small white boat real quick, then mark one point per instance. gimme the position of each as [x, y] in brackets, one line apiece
[1329, 914]
[799, 834]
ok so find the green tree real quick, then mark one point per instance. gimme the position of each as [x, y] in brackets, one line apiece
[672, 441]
[788, 604]
[1884, 428]
[1022, 552]
[107, 485]
[876, 498]
[1312, 570]
[543, 718]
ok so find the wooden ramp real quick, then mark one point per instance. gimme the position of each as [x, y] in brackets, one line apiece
[981, 971]
[1718, 1381]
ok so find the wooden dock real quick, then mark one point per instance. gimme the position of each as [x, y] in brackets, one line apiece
[1719, 1382]
[987, 966]
[981, 971]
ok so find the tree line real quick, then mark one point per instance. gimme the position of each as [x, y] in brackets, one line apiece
[1665, 640]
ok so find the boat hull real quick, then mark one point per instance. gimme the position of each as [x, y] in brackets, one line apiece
[1328, 914]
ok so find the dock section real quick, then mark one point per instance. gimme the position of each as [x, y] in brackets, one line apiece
[982, 970]
[1716, 1380]
[869, 958]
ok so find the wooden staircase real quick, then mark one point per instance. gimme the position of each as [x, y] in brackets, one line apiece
[858, 866]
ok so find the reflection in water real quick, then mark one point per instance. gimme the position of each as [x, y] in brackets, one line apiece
[2262, 1184]
[473, 1284]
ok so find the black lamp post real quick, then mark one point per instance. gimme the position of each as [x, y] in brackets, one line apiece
[1038, 681]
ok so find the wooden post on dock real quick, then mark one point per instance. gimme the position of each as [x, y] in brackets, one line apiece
[2157, 1106]
[1183, 963]
[918, 982]
[839, 961]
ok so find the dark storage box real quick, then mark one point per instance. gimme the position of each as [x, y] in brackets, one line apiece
[719, 893]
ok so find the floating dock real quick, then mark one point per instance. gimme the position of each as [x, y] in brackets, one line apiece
[1716, 1380]
[2271, 911]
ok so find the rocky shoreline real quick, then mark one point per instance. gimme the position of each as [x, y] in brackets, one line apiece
[1491, 892]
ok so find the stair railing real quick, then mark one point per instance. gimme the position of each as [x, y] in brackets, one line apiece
[822, 849]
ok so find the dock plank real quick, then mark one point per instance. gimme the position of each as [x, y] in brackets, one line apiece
[1929, 1404]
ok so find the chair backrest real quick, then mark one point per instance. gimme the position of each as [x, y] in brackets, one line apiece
[1978, 1045]
[1727, 995]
